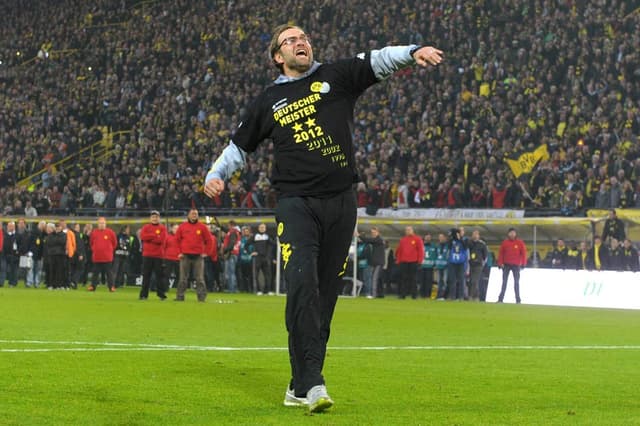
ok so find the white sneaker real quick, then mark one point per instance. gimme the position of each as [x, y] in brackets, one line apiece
[318, 399]
[291, 400]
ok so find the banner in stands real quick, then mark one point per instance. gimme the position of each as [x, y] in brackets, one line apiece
[594, 289]
[455, 214]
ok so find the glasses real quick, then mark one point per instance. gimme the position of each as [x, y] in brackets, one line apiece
[290, 41]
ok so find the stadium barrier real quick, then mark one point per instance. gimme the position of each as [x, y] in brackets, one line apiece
[593, 289]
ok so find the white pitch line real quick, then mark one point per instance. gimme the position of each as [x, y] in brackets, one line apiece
[79, 346]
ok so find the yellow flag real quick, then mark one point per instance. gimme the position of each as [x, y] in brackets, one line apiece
[527, 161]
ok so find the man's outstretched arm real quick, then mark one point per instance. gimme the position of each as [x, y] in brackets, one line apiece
[390, 59]
[231, 159]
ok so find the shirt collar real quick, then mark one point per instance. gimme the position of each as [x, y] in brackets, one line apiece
[282, 79]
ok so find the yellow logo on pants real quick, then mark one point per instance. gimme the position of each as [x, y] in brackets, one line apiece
[286, 253]
[344, 267]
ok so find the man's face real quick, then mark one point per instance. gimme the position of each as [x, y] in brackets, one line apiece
[475, 236]
[375, 233]
[262, 228]
[627, 244]
[560, 244]
[427, 238]
[408, 230]
[21, 225]
[11, 227]
[155, 219]
[193, 215]
[102, 223]
[512, 234]
[295, 52]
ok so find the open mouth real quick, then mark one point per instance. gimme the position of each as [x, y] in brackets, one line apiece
[301, 53]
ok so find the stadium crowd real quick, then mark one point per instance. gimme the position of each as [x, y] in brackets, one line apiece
[166, 74]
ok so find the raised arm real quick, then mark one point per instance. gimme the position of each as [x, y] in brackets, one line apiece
[390, 59]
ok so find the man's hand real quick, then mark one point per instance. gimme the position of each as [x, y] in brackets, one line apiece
[427, 56]
[214, 187]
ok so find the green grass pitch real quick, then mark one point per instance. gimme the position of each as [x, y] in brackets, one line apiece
[75, 357]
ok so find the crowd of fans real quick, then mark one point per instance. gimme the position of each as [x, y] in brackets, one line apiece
[176, 76]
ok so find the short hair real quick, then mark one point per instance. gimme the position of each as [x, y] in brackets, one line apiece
[274, 46]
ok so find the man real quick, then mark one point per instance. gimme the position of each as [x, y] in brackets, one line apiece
[211, 264]
[376, 260]
[457, 260]
[598, 255]
[88, 256]
[194, 241]
[245, 264]
[153, 236]
[616, 256]
[582, 263]
[308, 116]
[478, 254]
[409, 255]
[71, 252]
[25, 242]
[231, 252]
[11, 255]
[559, 255]
[511, 257]
[442, 256]
[630, 257]
[428, 263]
[121, 266]
[103, 243]
[613, 227]
[78, 261]
[263, 246]
[171, 258]
[35, 277]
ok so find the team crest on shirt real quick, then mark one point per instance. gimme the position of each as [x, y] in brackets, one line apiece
[360, 56]
[157, 231]
[106, 237]
[198, 232]
[320, 87]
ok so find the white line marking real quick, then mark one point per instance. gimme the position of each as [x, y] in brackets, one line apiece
[120, 347]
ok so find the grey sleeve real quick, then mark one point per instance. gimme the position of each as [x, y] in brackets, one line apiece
[390, 59]
[231, 159]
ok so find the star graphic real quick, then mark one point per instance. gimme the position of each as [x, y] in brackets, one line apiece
[310, 122]
[297, 127]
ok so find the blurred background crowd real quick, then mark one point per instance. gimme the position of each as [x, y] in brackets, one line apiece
[173, 78]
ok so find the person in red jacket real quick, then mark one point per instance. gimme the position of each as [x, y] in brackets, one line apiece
[194, 240]
[171, 258]
[212, 265]
[103, 243]
[409, 255]
[153, 236]
[511, 257]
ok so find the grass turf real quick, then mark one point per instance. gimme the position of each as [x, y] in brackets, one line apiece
[75, 378]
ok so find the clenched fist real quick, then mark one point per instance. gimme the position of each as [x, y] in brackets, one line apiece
[214, 187]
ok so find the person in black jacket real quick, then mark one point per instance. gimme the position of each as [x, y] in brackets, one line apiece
[77, 262]
[10, 255]
[559, 255]
[613, 227]
[263, 252]
[35, 278]
[376, 260]
[478, 254]
[308, 117]
[55, 247]
[616, 256]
